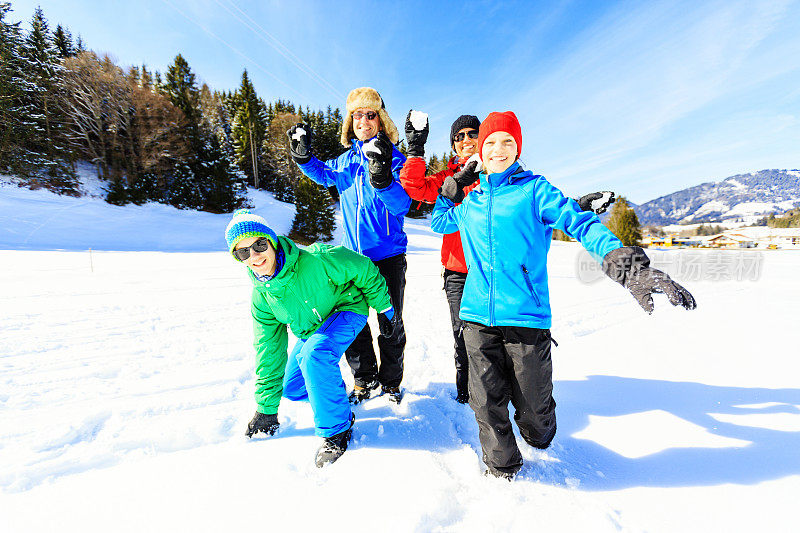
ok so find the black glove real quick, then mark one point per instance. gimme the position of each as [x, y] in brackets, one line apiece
[387, 323]
[379, 153]
[416, 138]
[300, 143]
[453, 186]
[596, 201]
[630, 267]
[267, 424]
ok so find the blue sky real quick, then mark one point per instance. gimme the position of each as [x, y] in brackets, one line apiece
[644, 98]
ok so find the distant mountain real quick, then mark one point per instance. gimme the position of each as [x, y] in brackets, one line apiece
[744, 196]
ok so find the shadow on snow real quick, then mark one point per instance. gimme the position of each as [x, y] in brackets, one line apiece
[431, 420]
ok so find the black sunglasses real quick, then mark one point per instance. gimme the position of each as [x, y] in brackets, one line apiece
[458, 137]
[261, 245]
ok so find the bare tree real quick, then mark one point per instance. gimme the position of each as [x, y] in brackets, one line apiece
[120, 124]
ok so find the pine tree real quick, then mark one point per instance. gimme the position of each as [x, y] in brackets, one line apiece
[14, 125]
[314, 219]
[223, 184]
[433, 164]
[63, 41]
[80, 46]
[248, 129]
[184, 190]
[180, 86]
[206, 180]
[624, 223]
[43, 105]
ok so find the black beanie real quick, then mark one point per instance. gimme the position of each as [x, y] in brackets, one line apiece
[464, 121]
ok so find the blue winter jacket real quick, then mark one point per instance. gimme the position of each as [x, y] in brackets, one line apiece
[373, 218]
[506, 228]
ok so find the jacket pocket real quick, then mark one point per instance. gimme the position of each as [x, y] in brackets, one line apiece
[529, 283]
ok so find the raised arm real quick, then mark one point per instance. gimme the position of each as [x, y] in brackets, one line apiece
[385, 162]
[328, 174]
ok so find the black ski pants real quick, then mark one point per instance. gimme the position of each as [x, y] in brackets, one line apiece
[361, 354]
[454, 290]
[509, 363]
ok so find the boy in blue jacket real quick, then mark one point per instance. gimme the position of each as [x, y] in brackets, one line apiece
[374, 205]
[506, 228]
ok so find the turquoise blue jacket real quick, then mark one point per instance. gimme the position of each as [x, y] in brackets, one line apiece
[373, 218]
[506, 227]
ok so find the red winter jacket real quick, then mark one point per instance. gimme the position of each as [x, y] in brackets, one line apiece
[426, 189]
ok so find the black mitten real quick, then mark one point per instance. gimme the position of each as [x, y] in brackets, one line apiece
[453, 186]
[630, 267]
[596, 201]
[416, 138]
[267, 424]
[300, 143]
[379, 153]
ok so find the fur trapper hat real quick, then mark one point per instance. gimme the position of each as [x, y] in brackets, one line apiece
[368, 98]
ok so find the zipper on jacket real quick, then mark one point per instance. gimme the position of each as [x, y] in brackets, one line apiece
[530, 285]
[387, 222]
[359, 199]
[491, 257]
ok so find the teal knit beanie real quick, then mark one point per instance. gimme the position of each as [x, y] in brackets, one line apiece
[245, 224]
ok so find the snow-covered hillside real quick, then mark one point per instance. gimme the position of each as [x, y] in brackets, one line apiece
[126, 383]
[744, 198]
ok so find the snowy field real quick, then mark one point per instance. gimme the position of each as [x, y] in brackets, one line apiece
[126, 384]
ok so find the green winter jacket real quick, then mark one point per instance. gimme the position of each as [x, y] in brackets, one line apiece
[312, 285]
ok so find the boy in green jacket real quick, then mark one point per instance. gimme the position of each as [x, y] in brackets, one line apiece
[323, 294]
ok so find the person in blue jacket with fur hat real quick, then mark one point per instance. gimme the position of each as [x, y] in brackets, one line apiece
[374, 205]
[506, 227]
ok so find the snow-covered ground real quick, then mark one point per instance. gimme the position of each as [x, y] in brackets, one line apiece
[126, 383]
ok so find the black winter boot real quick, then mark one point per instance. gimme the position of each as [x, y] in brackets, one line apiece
[395, 394]
[334, 446]
[500, 474]
[359, 393]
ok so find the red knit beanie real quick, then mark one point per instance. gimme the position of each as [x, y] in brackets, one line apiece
[496, 121]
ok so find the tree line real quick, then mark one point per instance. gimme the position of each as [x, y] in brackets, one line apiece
[162, 137]
[150, 136]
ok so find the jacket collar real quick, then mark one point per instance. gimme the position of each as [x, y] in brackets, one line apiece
[499, 179]
[358, 146]
[455, 164]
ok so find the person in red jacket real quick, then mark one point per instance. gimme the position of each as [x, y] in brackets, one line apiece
[464, 140]
[422, 188]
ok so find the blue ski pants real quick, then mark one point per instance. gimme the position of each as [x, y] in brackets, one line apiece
[313, 374]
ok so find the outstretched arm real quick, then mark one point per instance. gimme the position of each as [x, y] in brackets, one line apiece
[630, 267]
[597, 202]
[329, 174]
